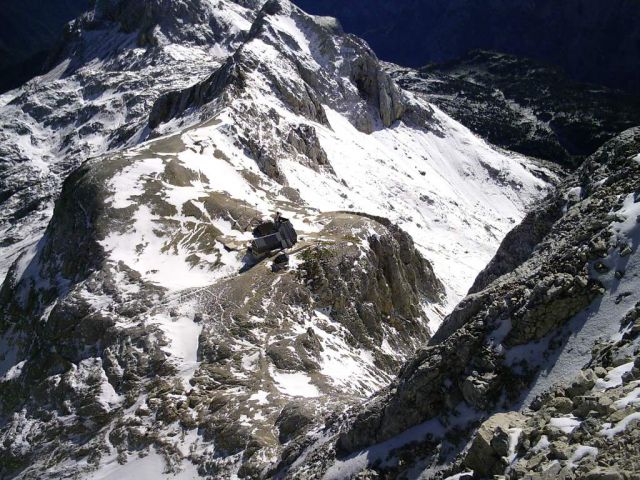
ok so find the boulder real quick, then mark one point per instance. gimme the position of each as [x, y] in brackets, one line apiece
[491, 444]
[293, 419]
[601, 473]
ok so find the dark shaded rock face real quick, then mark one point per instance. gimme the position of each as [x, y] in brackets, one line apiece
[521, 241]
[27, 31]
[525, 106]
[483, 359]
[59, 269]
[593, 40]
[379, 89]
[174, 103]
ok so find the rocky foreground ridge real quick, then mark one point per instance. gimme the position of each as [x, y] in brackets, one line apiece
[535, 374]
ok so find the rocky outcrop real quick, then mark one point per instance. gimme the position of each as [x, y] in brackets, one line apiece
[77, 212]
[582, 430]
[304, 141]
[175, 103]
[520, 242]
[491, 448]
[378, 88]
[155, 21]
[403, 280]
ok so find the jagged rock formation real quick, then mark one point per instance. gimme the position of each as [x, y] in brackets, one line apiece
[376, 98]
[520, 342]
[135, 333]
[525, 106]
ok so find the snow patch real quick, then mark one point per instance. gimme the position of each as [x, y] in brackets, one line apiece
[295, 384]
[621, 426]
[632, 398]
[183, 334]
[14, 372]
[614, 377]
[260, 397]
[581, 452]
[151, 465]
[565, 424]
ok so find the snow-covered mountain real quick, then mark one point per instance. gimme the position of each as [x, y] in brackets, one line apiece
[97, 98]
[138, 336]
[114, 67]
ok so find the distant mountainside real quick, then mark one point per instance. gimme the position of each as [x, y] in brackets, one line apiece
[28, 29]
[523, 105]
[593, 40]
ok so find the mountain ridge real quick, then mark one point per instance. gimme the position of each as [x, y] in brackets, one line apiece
[592, 40]
[523, 105]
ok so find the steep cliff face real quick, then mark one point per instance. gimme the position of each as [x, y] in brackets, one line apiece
[593, 40]
[520, 344]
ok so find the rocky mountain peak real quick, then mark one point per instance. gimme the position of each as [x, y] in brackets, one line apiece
[359, 87]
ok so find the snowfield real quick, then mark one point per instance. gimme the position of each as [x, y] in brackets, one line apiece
[456, 195]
